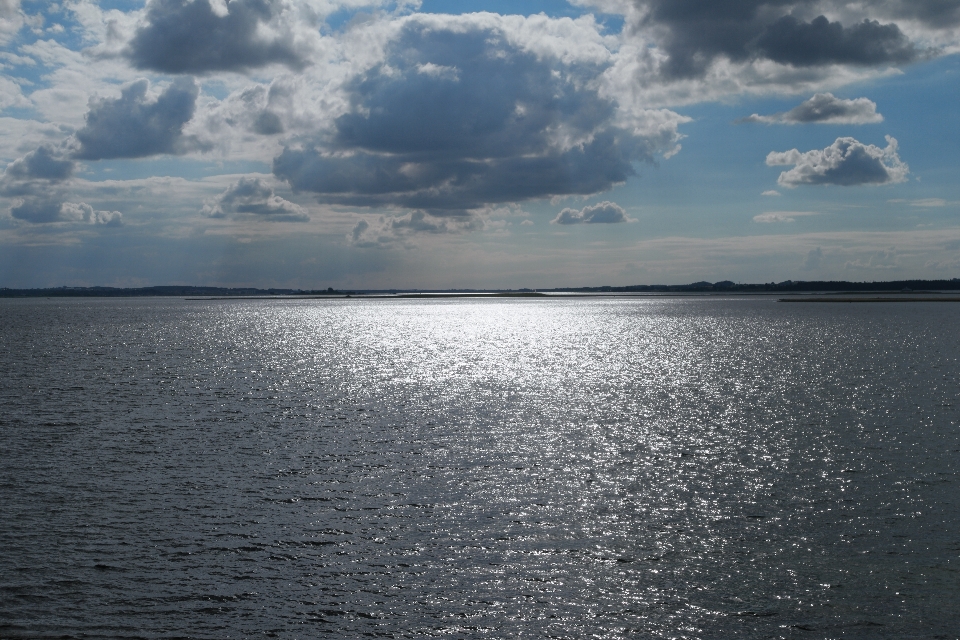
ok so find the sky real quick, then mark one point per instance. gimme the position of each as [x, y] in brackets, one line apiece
[477, 144]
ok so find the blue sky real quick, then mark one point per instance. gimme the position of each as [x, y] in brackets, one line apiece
[368, 144]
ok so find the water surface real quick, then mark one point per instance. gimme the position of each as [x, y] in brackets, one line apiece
[644, 468]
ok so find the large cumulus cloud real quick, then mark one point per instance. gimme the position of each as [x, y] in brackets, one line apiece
[459, 115]
[136, 126]
[846, 162]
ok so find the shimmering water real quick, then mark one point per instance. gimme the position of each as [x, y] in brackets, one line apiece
[654, 468]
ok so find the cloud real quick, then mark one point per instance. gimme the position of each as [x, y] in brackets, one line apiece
[928, 202]
[43, 163]
[36, 172]
[885, 259]
[253, 197]
[393, 230]
[48, 209]
[820, 42]
[605, 212]
[11, 19]
[267, 123]
[770, 193]
[813, 260]
[825, 108]
[782, 216]
[846, 162]
[134, 126]
[358, 230]
[459, 115]
[695, 33]
[200, 36]
[83, 212]
[938, 14]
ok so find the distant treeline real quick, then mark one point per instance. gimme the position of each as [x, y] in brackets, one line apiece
[725, 286]
[781, 287]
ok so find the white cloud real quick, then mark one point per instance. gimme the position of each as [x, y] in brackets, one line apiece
[813, 260]
[82, 212]
[253, 197]
[392, 231]
[11, 19]
[929, 202]
[846, 162]
[605, 212]
[883, 260]
[782, 216]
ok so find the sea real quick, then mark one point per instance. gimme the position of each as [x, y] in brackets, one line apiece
[650, 467]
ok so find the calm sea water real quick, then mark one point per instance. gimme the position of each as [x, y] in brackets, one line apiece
[651, 468]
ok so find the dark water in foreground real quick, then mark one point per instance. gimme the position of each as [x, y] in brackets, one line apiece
[665, 468]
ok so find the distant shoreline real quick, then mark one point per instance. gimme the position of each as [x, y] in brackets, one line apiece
[909, 288]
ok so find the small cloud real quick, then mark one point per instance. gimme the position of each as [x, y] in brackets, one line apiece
[605, 212]
[358, 230]
[527, 223]
[847, 162]
[885, 259]
[771, 192]
[253, 197]
[928, 202]
[813, 260]
[82, 212]
[439, 71]
[782, 216]
[824, 108]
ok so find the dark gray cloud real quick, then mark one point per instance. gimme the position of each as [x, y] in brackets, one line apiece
[38, 210]
[847, 162]
[605, 212]
[132, 126]
[253, 197]
[188, 36]
[821, 42]
[267, 123]
[825, 108]
[939, 14]
[695, 32]
[455, 119]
